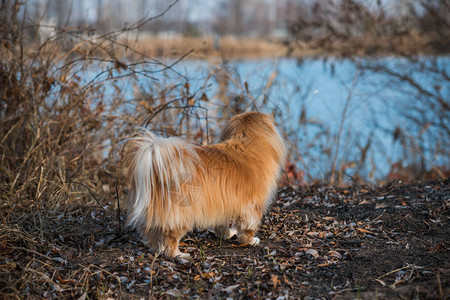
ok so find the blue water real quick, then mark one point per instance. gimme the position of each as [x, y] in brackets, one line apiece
[309, 100]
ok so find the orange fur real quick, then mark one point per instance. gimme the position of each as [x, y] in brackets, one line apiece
[177, 186]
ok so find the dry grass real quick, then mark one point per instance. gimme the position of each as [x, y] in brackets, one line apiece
[230, 47]
[206, 47]
[409, 45]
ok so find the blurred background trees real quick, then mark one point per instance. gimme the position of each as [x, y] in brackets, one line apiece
[326, 21]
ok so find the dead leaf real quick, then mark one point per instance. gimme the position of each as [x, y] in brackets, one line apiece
[323, 264]
[312, 252]
[174, 293]
[381, 205]
[333, 253]
[287, 281]
[208, 275]
[230, 288]
[364, 230]
[274, 280]
[325, 234]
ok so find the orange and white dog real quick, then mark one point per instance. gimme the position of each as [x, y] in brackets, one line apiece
[177, 185]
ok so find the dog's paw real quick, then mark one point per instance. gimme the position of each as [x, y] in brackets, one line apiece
[178, 254]
[182, 258]
[255, 241]
[232, 232]
[183, 255]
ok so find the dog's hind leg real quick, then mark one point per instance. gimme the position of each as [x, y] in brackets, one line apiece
[153, 238]
[224, 232]
[247, 225]
[247, 237]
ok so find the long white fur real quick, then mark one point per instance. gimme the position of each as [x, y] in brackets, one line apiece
[159, 162]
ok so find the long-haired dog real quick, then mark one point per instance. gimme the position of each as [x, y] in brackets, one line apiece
[177, 185]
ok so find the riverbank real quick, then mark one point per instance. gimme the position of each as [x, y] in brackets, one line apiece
[245, 48]
[210, 48]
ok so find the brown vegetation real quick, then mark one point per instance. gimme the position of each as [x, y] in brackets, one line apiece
[208, 47]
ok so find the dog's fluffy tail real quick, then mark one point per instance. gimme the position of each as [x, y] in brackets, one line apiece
[160, 172]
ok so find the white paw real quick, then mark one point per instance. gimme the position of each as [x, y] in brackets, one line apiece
[182, 258]
[183, 255]
[255, 241]
[232, 233]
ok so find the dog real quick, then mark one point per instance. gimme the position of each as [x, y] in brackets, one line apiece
[177, 185]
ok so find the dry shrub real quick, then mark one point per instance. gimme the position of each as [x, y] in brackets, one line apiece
[64, 114]
[49, 131]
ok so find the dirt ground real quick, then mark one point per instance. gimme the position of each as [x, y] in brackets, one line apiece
[359, 242]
